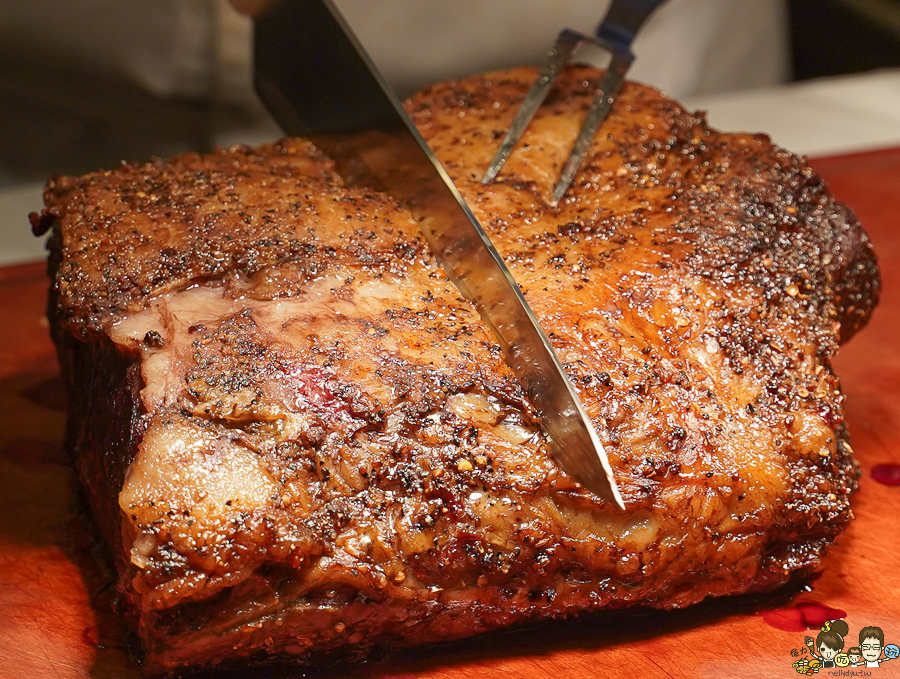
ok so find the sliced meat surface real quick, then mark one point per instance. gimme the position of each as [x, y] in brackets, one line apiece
[299, 440]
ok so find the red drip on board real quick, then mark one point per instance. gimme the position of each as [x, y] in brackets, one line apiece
[802, 616]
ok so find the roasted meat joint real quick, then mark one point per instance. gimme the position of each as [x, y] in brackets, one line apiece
[299, 440]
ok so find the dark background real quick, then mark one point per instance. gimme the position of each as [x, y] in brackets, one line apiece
[834, 37]
[58, 121]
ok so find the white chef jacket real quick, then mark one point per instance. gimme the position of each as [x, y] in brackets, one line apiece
[201, 48]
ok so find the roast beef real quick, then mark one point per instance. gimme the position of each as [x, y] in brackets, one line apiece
[299, 440]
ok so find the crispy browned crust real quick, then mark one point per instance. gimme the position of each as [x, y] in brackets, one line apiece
[146, 228]
[696, 285]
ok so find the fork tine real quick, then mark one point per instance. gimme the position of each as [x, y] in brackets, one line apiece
[558, 56]
[615, 34]
[609, 88]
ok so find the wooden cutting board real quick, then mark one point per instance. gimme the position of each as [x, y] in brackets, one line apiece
[56, 617]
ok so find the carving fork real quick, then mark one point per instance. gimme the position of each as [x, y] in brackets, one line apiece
[614, 34]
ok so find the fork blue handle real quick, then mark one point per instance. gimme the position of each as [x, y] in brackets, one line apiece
[623, 20]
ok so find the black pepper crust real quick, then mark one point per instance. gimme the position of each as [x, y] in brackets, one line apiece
[695, 284]
[148, 228]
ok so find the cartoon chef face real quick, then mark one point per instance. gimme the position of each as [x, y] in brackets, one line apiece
[871, 649]
[828, 653]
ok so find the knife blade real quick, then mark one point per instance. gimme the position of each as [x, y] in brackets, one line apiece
[318, 82]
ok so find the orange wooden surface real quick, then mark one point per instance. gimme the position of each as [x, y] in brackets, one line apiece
[56, 597]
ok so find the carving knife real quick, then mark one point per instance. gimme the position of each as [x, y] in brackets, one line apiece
[318, 82]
